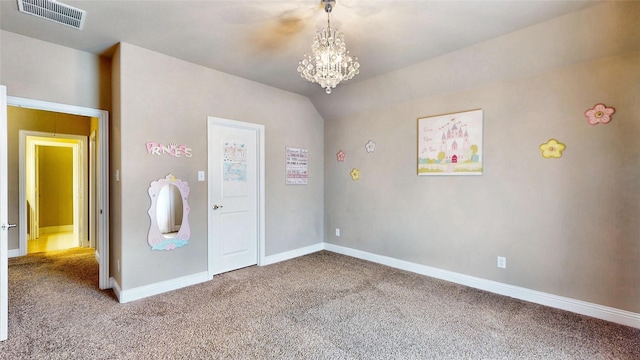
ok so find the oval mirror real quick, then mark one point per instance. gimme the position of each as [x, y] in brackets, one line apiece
[168, 212]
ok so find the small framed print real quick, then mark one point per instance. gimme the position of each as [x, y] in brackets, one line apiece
[297, 169]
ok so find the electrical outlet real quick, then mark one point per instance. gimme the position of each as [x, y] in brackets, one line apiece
[502, 262]
[337, 232]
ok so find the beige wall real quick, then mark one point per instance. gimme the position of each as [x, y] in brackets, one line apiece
[40, 70]
[166, 100]
[567, 226]
[115, 163]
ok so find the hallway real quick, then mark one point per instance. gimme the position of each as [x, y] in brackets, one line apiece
[51, 242]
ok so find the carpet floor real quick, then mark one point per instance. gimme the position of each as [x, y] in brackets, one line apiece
[319, 306]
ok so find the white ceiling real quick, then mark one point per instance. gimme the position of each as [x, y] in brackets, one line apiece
[263, 40]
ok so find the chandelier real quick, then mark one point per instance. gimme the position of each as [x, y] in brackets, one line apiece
[330, 62]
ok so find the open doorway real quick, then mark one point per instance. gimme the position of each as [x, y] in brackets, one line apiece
[54, 183]
[96, 193]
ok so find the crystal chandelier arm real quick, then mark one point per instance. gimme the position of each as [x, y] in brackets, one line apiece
[330, 62]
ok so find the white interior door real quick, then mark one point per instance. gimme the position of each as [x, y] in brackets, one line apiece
[4, 266]
[235, 201]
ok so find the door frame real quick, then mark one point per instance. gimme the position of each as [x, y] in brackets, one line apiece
[260, 173]
[102, 210]
[4, 214]
[29, 141]
[92, 189]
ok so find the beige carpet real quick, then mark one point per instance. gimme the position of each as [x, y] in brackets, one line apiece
[320, 306]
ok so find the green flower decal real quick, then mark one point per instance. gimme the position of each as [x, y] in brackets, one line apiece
[552, 149]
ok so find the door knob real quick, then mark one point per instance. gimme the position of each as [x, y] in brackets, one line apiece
[216, 207]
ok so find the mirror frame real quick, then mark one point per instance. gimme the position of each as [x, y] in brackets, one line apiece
[156, 240]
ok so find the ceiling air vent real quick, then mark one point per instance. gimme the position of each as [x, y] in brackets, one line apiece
[54, 11]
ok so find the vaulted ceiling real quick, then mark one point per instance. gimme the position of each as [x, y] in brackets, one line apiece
[263, 40]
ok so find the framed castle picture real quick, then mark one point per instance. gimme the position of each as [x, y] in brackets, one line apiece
[450, 144]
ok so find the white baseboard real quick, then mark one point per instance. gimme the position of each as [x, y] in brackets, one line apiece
[141, 292]
[113, 284]
[13, 253]
[97, 255]
[576, 306]
[272, 259]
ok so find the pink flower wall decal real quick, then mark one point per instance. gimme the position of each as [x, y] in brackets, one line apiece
[600, 114]
[340, 155]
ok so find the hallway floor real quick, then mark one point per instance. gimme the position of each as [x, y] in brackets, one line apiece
[51, 242]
